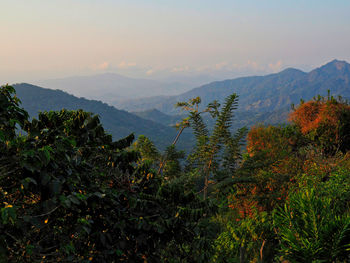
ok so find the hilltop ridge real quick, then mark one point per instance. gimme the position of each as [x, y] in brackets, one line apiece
[260, 93]
[119, 123]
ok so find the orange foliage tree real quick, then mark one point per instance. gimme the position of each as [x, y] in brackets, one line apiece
[270, 165]
[277, 156]
[326, 122]
[273, 141]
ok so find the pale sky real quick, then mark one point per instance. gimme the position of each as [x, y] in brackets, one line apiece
[43, 39]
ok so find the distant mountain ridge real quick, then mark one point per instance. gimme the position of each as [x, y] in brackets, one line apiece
[119, 123]
[158, 116]
[112, 87]
[261, 94]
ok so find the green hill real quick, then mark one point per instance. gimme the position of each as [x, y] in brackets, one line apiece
[119, 123]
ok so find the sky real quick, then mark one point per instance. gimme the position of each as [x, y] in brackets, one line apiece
[43, 39]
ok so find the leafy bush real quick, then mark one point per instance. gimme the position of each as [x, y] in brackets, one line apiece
[246, 239]
[314, 225]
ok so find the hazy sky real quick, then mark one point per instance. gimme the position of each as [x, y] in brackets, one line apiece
[55, 38]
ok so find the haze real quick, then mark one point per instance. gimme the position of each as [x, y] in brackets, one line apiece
[43, 39]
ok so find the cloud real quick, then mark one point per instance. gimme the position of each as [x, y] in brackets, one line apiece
[225, 67]
[126, 65]
[253, 65]
[149, 72]
[249, 65]
[180, 69]
[276, 66]
[102, 66]
[221, 65]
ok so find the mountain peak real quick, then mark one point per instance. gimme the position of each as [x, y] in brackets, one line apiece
[336, 69]
[336, 64]
[289, 71]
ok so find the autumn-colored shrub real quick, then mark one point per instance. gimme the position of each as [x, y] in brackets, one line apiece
[275, 141]
[326, 122]
[269, 187]
[271, 167]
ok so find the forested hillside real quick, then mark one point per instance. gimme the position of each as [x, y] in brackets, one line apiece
[261, 94]
[263, 99]
[152, 123]
[70, 193]
[118, 123]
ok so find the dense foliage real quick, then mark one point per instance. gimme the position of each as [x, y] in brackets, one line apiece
[295, 206]
[69, 193]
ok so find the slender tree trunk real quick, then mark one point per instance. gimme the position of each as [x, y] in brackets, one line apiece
[205, 192]
[241, 254]
[178, 135]
[163, 162]
[207, 174]
[261, 250]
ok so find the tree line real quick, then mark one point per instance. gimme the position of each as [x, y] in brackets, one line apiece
[69, 193]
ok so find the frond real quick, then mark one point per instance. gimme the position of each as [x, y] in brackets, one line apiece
[223, 124]
[198, 125]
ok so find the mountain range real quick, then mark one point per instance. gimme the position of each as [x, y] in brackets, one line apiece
[118, 123]
[259, 94]
[113, 88]
[262, 99]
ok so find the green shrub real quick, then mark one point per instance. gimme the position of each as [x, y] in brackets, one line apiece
[311, 230]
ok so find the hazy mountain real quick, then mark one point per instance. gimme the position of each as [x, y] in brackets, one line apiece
[160, 117]
[113, 88]
[240, 118]
[188, 79]
[260, 94]
[261, 99]
[119, 123]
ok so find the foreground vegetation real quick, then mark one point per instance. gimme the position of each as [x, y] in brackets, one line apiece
[69, 193]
